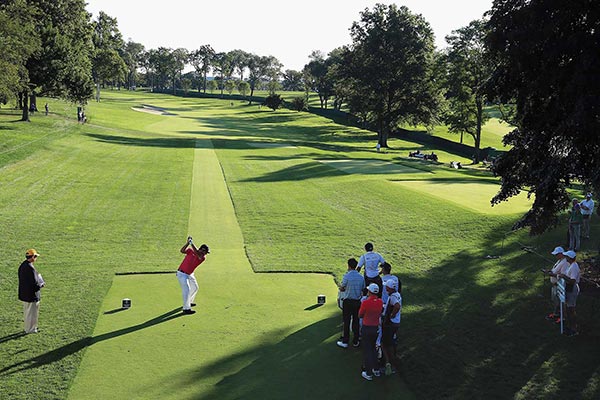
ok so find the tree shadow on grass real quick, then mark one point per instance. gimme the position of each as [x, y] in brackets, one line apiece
[78, 345]
[304, 365]
[480, 331]
[153, 142]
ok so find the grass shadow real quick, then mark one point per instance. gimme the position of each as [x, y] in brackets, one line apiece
[58, 354]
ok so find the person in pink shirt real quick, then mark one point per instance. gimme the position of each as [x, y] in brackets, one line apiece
[185, 273]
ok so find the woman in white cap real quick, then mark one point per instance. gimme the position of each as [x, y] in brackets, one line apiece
[587, 209]
[559, 267]
[571, 277]
[370, 312]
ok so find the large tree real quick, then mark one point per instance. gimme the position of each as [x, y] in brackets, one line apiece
[18, 41]
[133, 55]
[390, 64]
[107, 66]
[202, 60]
[261, 68]
[61, 65]
[319, 80]
[468, 69]
[547, 61]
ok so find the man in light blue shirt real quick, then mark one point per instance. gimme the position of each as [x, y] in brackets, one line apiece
[371, 261]
[350, 293]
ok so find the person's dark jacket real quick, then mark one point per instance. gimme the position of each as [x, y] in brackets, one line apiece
[28, 286]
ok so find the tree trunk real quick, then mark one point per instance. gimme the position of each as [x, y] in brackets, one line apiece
[98, 92]
[25, 116]
[252, 94]
[477, 137]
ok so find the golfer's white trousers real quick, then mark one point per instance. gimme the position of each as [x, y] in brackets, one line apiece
[31, 312]
[189, 288]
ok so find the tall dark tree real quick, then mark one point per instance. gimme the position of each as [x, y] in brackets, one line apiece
[261, 68]
[547, 64]
[292, 80]
[133, 55]
[18, 42]
[202, 60]
[320, 81]
[61, 66]
[468, 69]
[180, 58]
[107, 65]
[390, 63]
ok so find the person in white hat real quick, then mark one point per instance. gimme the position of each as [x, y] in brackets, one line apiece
[391, 322]
[571, 277]
[30, 283]
[587, 209]
[370, 312]
[559, 267]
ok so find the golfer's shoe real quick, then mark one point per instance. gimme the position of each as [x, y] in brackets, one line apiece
[356, 344]
[193, 304]
[367, 376]
[342, 344]
[189, 312]
[376, 372]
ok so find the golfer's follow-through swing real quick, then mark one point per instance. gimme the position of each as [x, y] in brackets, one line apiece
[185, 273]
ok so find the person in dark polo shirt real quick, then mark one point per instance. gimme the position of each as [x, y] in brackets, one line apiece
[185, 273]
[30, 283]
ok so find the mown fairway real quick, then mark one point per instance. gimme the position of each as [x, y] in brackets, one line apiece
[294, 193]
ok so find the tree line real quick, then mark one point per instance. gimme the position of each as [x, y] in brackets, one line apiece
[537, 60]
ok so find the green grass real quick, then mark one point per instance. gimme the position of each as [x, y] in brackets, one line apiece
[117, 195]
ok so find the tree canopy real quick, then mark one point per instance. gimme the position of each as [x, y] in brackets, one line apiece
[547, 65]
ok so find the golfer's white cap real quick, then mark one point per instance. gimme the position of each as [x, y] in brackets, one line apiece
[391, 283]
[373, 288]
[570, 254]
[588, 195]
[558, 250]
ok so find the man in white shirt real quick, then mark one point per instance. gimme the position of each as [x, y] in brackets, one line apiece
[386, 274]
[371, 261]
[571, 277]
[390, 322]
[587, 209]
[559, 267]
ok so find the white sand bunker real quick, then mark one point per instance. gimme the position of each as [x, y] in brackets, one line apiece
[271, 145]
[152, 110]
[370, 167]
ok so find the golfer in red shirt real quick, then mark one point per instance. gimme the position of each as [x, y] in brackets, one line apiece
[185, 274]
[370, 312]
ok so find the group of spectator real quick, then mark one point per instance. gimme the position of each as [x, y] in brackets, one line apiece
[566, 268]
[579, 221]
[371, 309]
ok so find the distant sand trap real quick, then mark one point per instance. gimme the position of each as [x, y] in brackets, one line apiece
[271, 145]
[152, 110]
[371, 167]
[473, 195]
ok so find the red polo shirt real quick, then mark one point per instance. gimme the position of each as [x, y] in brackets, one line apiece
[370, 311]
[190, 262]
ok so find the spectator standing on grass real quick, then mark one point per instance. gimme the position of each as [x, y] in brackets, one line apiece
[47, 108]
[587, 209]
[560, 267]
[575, 220]
[370, 312]
[30, 283]
[185, 273]
[391, 322]
[351, 289]
[386, 275]
[371, 261]
[571, 277]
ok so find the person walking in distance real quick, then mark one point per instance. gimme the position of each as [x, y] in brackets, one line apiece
[371, 261]
[575, 221]
[587, 209]
[370, 312]
[185, 273]
[350, 293]
[30, 283]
